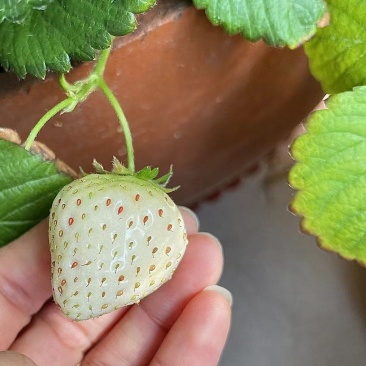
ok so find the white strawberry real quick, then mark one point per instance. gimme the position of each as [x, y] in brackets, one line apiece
[114, 239]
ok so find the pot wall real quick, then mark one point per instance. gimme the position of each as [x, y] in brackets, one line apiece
[208, 103]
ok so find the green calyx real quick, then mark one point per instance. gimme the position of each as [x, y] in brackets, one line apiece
[147, 174]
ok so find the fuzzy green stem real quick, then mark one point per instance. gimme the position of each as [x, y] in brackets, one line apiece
[123, 122]
[51, 113]
[102, 62]
[65, 85]
[77, 93]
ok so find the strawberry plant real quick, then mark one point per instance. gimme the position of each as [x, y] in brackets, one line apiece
[40, 36]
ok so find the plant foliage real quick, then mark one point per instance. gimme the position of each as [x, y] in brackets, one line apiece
[48, 39]
[28, 185]
[278, 22]
[337, 52]
[330, 175]
[17, 11]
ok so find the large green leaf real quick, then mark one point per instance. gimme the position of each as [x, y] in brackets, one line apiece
[65, 29]
[330, 175]
[337, 52]
[16, 11]
[28, 185]
[278, 22]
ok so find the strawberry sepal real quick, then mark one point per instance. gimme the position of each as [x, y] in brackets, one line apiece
[147, 173]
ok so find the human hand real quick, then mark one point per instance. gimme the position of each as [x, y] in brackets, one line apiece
[184, 323]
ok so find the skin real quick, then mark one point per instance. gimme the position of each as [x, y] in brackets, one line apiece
[184, 323]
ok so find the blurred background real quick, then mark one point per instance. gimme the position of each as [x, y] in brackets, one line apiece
[294, 304]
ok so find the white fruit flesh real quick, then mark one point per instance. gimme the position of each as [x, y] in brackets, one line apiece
[113, 240]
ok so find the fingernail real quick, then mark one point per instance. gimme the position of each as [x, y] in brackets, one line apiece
[192, 214]
[222, 291]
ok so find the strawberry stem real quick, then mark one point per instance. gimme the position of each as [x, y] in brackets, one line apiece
[51, 113]
[102, 61]
[65, 85]
[123, 122]
[77, 93]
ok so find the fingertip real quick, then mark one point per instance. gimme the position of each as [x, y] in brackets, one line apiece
[209, 249]
[222, 291]
[213, 239]
[202, 328]
[190, 219]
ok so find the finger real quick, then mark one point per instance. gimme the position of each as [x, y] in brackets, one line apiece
[24, 281]
[10, 358]
[53, 339]
[190, 220]
[136, 337]
[198, 336]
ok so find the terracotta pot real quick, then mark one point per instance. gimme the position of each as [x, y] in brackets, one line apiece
[208, 103]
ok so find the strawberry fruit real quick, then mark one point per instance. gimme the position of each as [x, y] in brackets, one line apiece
[115, 237]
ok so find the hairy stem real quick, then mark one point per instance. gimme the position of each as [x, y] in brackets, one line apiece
[65, 85]
[123, 122]
[77, 93]
[51, 113]
[102, 62]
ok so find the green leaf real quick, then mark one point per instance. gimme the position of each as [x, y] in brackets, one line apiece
[278, 22]
[337, 52]
[17, 10]
[28, 185]
[330, 175]
[67, 29]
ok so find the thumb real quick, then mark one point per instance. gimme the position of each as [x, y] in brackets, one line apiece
[11, 358]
